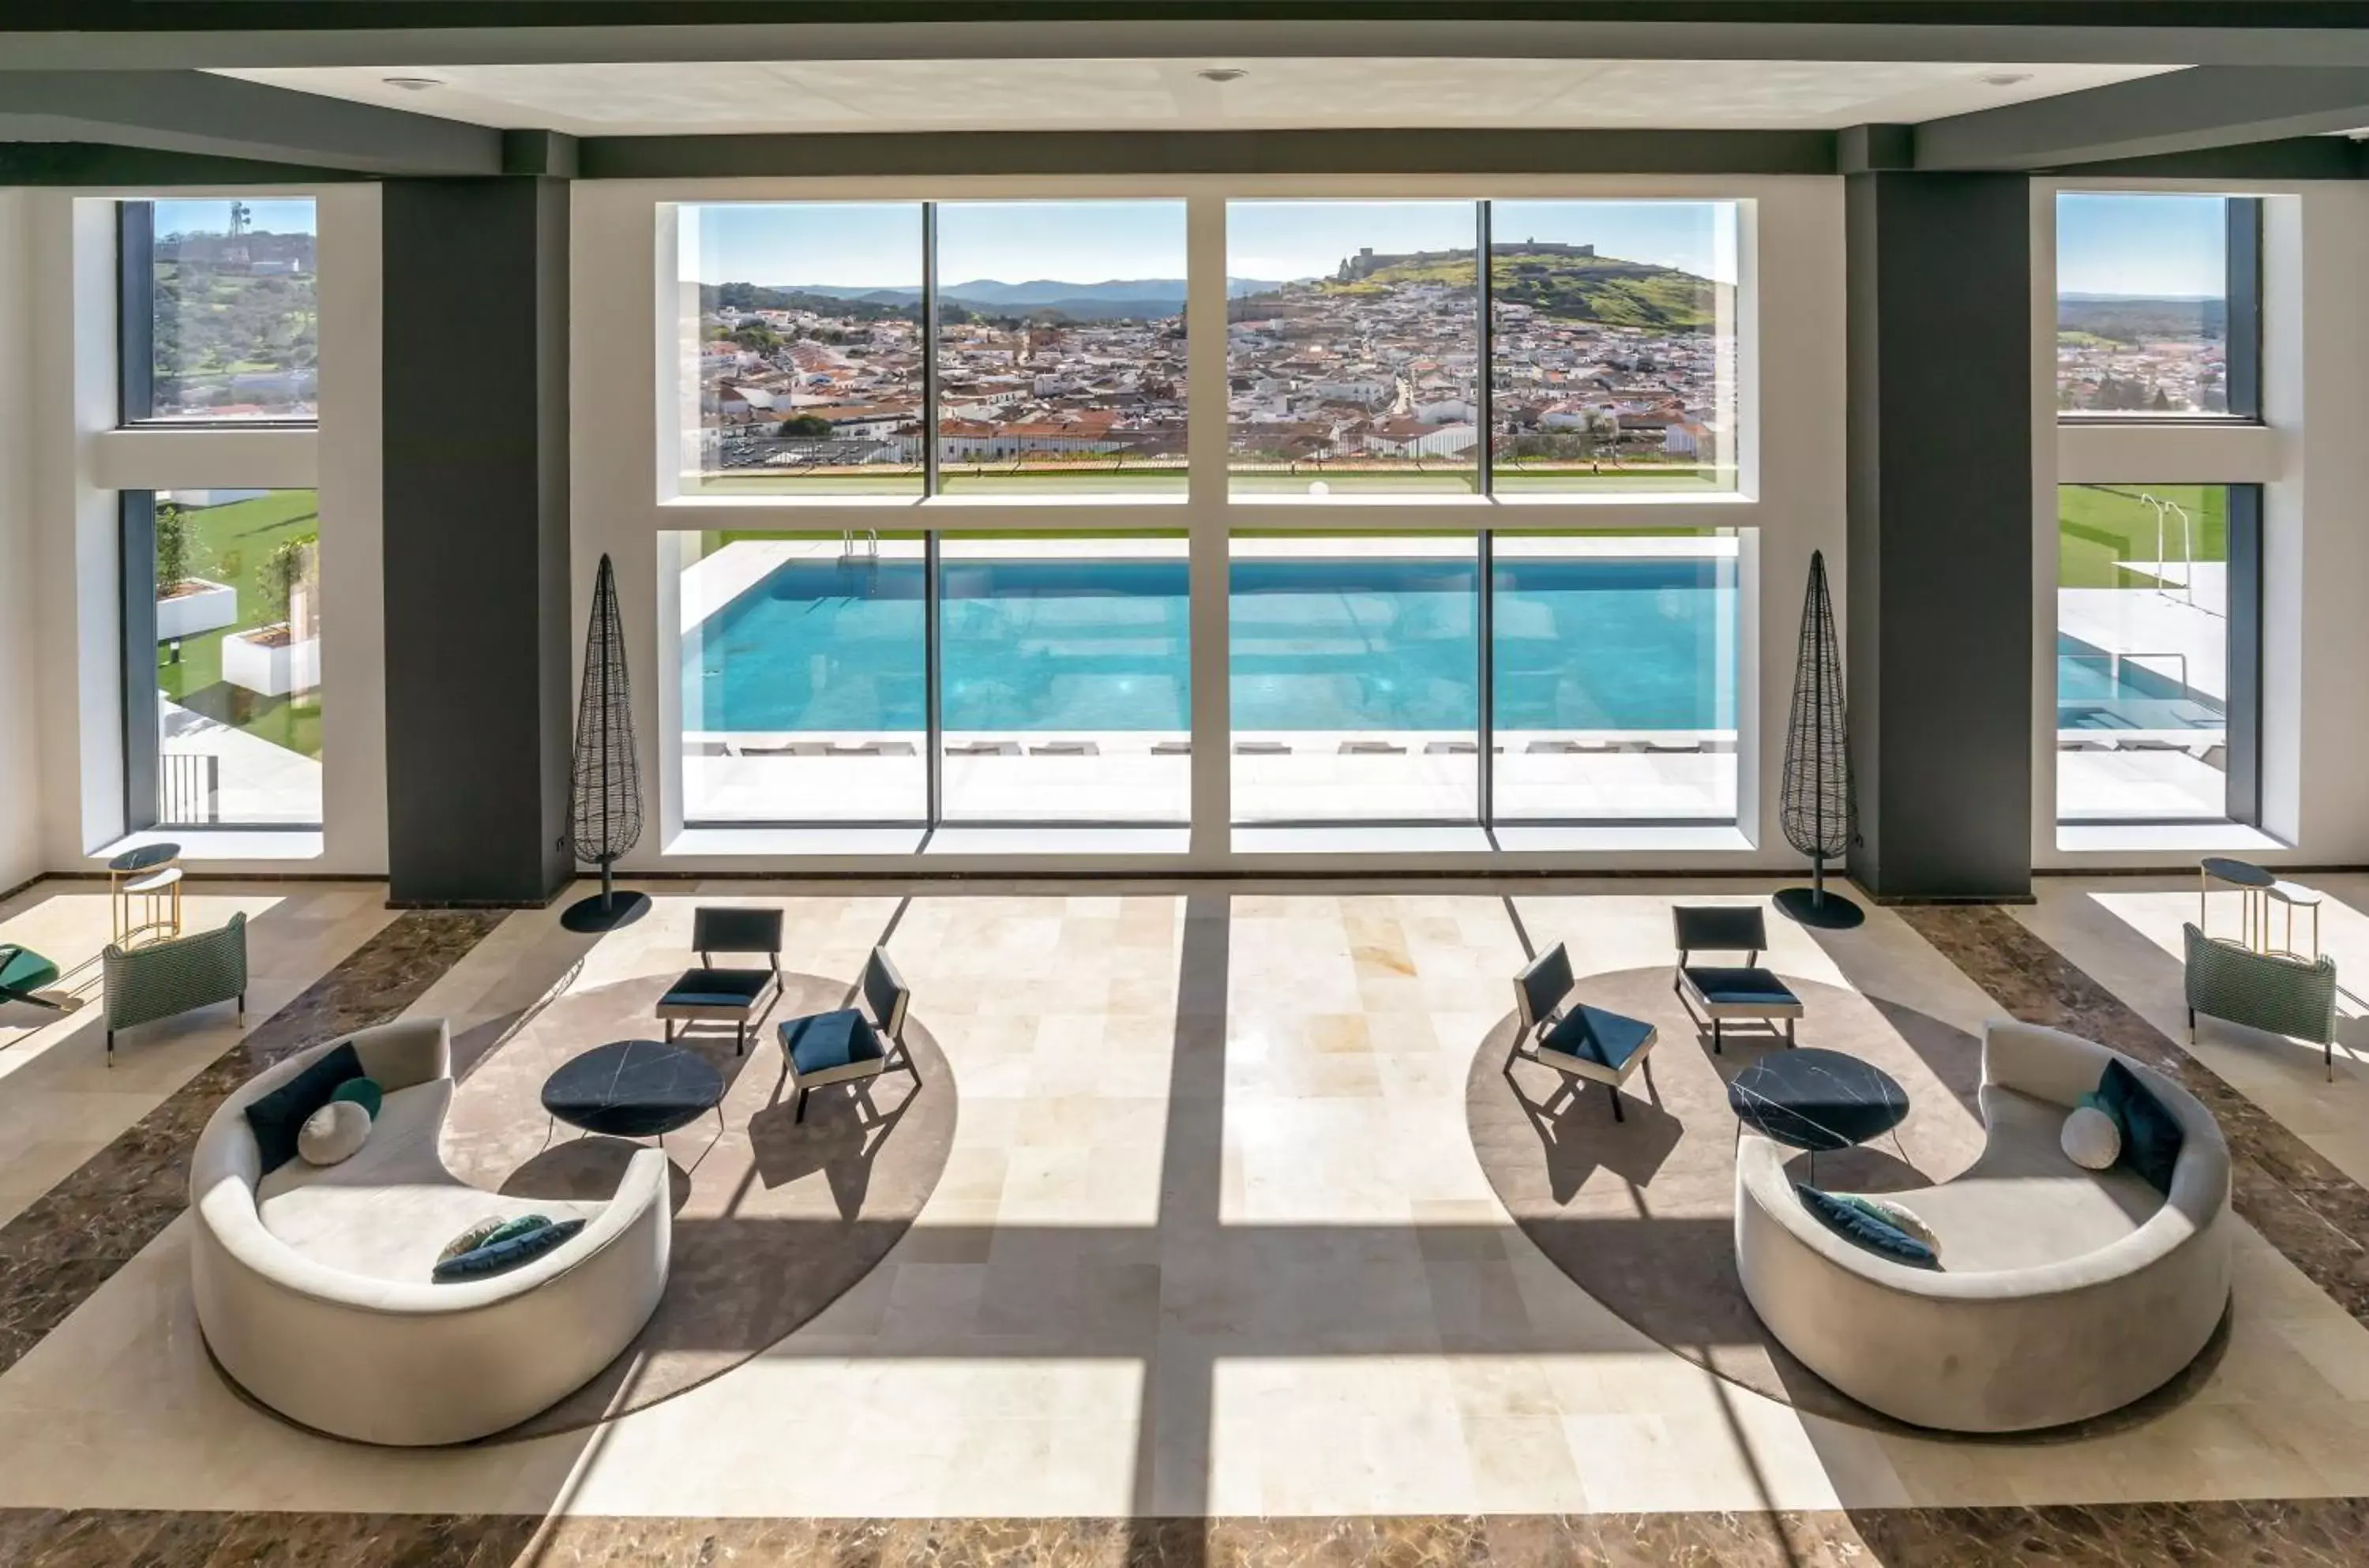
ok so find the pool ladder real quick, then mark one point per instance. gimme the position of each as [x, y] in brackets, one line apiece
[848, 542]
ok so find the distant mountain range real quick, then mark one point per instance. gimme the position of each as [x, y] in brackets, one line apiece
[1118, 299]
[2129, 318]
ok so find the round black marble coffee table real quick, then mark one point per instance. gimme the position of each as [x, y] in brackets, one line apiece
[634, 1089]
[1817, 1100]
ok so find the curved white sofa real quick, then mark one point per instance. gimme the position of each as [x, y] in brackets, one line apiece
[312, 1286]
[2063, 1293]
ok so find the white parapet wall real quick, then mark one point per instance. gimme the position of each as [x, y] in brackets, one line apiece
[272, 671]
[212, 606]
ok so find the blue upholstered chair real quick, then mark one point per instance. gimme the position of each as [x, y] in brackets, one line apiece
[734, 996]
[1574, 1039]
[1749, 993]
[851, 1045]
[157, 979]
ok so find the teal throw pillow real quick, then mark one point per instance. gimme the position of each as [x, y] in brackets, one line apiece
[500, 1257]
[470, 1240]
[2151, 1135]
[278, 1116]
[363, 1091]
[1857, 1226]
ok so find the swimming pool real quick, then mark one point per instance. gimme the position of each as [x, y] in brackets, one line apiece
[2097, 690]
[1363, 643]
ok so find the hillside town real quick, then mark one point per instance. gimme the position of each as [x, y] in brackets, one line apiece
[2154, 363]
[1373, 369]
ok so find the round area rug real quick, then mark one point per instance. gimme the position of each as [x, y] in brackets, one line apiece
[1641, 1213]
[774, 1218]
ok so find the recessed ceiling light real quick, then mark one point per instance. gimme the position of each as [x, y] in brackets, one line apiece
[413, 84]
[2006, 78]
[1222, 74]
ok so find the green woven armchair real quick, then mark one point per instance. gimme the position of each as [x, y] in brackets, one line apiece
[157, 979]
[2262, 990]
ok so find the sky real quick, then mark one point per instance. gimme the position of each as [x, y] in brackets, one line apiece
[879, 245]
[213, 217]
[2141, 244]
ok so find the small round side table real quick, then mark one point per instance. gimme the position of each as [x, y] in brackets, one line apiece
[151, 874]
[2252, 885]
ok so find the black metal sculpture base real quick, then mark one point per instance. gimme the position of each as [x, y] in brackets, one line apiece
[1828, 911]
[605, 912]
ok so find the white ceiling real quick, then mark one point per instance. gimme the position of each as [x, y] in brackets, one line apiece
[659, 98]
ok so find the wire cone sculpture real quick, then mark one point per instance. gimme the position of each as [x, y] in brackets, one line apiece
[1815, 805]
[605, 802]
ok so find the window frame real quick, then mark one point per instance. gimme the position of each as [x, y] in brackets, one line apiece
[145, 792]
[682, 483]
[2241, 705]
[2242, 301]
[136, 329]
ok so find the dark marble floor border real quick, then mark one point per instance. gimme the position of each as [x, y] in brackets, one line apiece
[2303, 1205]
[70, 1240]
[2328, 1530]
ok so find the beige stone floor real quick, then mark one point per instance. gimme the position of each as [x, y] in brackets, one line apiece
[60, 1103]
[1219, 1248]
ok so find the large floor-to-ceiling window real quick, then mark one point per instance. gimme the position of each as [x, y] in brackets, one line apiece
[2158, 585]
[1019, 372]
[221, 610]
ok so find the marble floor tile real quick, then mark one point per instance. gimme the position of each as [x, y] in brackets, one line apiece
[1211, 1241]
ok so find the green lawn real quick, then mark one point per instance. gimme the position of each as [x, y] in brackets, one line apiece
[2100, 525]
[228, 544]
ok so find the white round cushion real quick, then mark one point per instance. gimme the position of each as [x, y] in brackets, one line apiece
[333, 1133]
[2090, 1138]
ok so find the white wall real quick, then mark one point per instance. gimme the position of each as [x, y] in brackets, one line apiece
[621, 354]
[2311, 460]
[21, 783]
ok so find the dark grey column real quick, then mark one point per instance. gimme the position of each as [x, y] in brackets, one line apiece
[477, 603]
[1940, 583]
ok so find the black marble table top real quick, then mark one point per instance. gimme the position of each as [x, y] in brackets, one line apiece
[1817, 1100]
[2237, 872]
[144, 857]
[634, 1089]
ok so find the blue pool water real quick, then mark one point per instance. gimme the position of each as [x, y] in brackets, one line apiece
[2093, 693]
[1317, 645]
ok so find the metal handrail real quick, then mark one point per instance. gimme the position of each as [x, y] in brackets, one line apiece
[2115, 661]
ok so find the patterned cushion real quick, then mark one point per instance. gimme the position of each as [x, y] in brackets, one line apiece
[1854, 1224]
[334, 1134]
[500, 1257]
[279, 1116]
[475, 1236]
[1899, 1215]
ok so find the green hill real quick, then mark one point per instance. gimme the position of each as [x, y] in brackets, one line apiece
[1575, 287]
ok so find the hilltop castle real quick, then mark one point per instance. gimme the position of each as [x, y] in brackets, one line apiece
[1365, 264]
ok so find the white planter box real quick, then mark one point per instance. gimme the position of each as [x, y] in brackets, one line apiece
[214, 606]
[272, 671]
